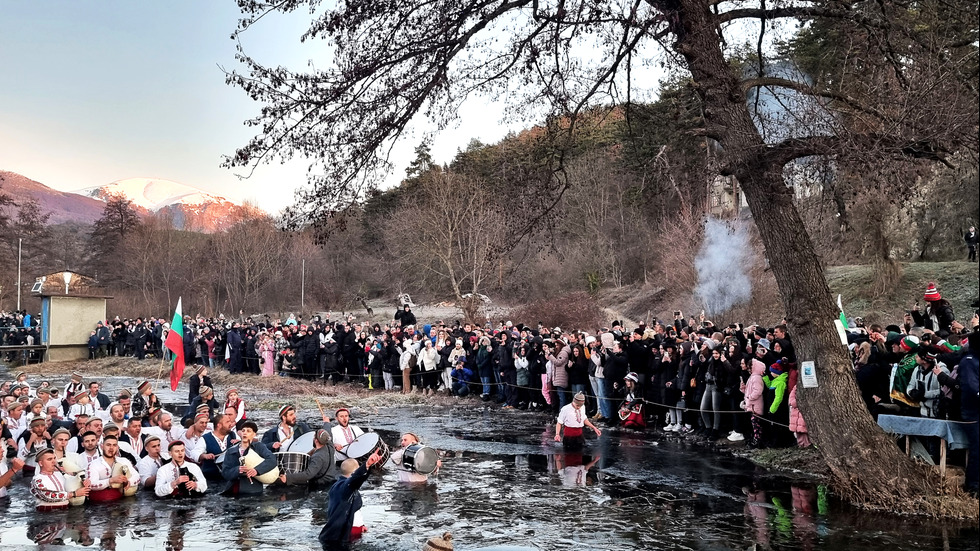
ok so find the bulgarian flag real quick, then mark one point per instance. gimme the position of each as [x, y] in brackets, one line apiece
[840, 306]
[175, 343]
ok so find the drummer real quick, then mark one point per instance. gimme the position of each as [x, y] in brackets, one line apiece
[343, 432]
[397, 457]
[48, 484]
[279, 438]
[321, 471]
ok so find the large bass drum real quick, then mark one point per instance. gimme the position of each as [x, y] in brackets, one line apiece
[292, 462]
[421, 459]
[365, 445]
[303, 444]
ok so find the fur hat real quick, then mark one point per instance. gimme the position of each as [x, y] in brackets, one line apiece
[932, 294]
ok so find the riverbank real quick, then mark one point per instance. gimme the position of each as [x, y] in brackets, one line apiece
[264, 396]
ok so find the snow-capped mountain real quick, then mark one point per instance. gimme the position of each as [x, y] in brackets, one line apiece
[192, 208]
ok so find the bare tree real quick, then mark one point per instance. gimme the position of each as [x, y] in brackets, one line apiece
[450, 230]
[401, 60]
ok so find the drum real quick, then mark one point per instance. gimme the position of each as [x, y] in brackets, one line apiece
[303, 444]
[421, 459]
[365, 445]
[252, 459]
[292, 462]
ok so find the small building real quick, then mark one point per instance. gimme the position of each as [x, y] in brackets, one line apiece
[71, 305]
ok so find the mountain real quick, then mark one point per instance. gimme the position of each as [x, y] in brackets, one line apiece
[63, 206]
[191, 208]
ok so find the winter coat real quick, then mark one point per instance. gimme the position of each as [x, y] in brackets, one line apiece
[484, 362]
[928, 384]
[796, 422]
[521, 363]
[754, 389]
[778, 387]
[559, 365]
[578, 370]
[938, 316]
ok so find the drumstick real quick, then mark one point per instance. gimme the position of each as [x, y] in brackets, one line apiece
[322, 414]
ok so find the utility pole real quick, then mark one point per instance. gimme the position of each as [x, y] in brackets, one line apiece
[302, 288]
[20, 242]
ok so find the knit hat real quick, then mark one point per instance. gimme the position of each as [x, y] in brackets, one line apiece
[76, 378]
[37, 421]
[285, 409]
[579, 397]
[200, 369]
[632, 377]
[776, 369]
[322, 436]
[909, 343]
[932, 293]
[61, 430]
[150, 439]
[206, 390]
[445, 543]
[142, 386]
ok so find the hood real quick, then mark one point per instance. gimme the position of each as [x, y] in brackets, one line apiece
[758, 368]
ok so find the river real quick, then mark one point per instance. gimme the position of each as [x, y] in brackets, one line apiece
[504, 482]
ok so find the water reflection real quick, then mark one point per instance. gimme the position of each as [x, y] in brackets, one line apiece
[505, 482]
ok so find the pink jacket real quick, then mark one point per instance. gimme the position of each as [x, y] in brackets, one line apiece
[754, 387]
[796, 422]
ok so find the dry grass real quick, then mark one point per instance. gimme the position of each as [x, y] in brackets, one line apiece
[303, 393]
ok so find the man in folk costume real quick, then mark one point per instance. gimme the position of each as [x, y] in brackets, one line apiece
[571, 420]
[194, 433]
[343, 432]
[215, 443]
[321, 471]
[133, 437]
[90, 449]
[242, 479]
[32, 441]
[279, 438]
[49, 486]
[150, 463]
[165, 429]
[68, 462]
[180, 478]
[100, 473]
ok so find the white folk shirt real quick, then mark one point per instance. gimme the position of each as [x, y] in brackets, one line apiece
[85, 459]
[99, 473]
[190, 444]
[148, 467]
[344, 435]
[405, 474]
[285, 436]
[79, 409]
[170, 472]
[571, 417]
[49, 489]
[201, 447]
[3, 469]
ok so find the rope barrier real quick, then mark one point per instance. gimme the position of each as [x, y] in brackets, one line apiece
[645, 401]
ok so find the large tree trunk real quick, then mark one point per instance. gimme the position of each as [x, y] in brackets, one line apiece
[867, 466]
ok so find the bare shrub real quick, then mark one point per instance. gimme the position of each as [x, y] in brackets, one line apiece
[571, 311]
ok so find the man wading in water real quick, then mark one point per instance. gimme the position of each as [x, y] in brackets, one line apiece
[344, 501]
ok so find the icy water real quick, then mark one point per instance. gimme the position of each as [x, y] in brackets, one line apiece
[504, 482]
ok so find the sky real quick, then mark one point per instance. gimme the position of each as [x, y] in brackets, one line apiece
[97, 91]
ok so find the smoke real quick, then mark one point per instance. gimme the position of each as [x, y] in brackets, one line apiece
[723, 265]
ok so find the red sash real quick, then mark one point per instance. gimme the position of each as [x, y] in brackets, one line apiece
[102, 496]
[573, 431]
